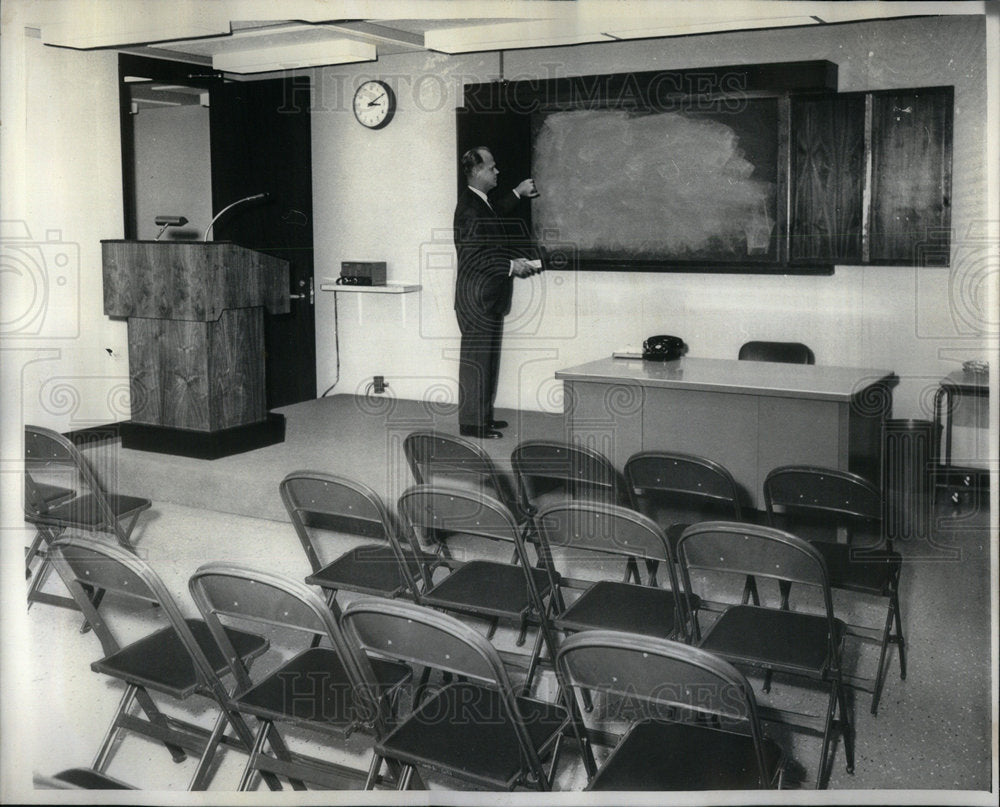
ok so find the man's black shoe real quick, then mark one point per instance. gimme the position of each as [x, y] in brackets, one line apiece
[482, 434]
[499, 424]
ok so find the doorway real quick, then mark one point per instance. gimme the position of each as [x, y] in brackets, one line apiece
[192, 144]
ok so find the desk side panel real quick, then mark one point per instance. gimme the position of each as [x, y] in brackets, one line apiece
[605, 417]
[718, 426]
[801, 432]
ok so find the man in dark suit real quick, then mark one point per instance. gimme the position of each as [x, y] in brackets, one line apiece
[490, 256]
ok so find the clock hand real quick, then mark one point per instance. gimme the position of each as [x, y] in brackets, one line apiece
[375, 102]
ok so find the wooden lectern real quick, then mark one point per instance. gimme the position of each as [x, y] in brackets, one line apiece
[196, 343]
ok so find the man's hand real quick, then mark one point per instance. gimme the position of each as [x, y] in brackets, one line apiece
[526, 190]
[522, 267]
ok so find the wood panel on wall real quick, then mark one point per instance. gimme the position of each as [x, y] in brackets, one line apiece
[828, 173]
[911, 177]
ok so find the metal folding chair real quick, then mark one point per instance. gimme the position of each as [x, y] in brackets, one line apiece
[49, 458]
[476, 727]
[491, 590]
[322, 506]
[773, 640]
[177, 661]
[690, 717]
[677, 490]
[316, 687]
[840, 513]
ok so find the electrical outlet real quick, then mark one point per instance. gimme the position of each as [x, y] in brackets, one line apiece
[380, 385]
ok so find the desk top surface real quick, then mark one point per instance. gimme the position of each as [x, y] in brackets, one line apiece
[738, 377]
[966, 381]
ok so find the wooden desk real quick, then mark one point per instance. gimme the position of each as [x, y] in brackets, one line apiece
[750, 416]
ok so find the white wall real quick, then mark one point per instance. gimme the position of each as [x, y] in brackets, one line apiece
[387, 195]
[62, 194]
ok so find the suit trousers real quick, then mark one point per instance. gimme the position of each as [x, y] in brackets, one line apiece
[479, 367]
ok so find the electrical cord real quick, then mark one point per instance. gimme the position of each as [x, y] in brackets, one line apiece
[336, 338]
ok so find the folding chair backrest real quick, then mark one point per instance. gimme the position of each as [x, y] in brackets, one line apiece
[746, 549]
[546, 466]
[602, 528]
[663, 480]
[784, 352]
[232, 593]
[805, 497]
[101, 565]
[443, 459]
[449, 510]
[50, 457]
[319, 501]
[658, 672]
[419, 635]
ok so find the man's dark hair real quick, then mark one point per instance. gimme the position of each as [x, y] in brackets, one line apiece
[472, 159]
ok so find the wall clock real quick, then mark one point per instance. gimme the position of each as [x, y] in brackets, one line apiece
[374, 104]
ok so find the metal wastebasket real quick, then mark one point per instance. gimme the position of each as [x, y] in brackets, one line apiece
[909, 456]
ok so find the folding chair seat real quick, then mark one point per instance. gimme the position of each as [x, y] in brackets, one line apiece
[177, 661]
[691, 718]
[579, 532]
[677, 490]
[475, 727]
[315, 687]
[80, 779]
[91, 508]
[774, 640]
[320, 505]
[487, 589]
[824, 505]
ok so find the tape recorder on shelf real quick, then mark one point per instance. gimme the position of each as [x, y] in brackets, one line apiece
[362, 273]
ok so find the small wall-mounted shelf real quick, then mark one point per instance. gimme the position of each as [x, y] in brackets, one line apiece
[388, 288]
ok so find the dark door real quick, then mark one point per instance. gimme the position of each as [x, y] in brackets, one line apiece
[260, 135]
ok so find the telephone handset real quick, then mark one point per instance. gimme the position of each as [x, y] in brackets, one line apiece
[663, 348]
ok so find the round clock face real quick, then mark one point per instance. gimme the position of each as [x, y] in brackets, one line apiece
[374, 104]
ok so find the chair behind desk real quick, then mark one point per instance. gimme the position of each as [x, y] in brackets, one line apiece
[784, 352]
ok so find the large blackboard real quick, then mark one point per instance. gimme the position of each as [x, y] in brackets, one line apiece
[660, 186]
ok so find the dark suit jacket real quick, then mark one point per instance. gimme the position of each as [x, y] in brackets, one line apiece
[486, 243]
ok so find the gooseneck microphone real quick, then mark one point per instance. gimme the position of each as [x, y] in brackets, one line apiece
[257, 197]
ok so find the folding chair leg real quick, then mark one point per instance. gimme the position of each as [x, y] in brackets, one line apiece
[831, 714]
[652, 566]
[522, 632]
[492, 629]
[891, 619]
[255, 751]
[373, 771]
[405, 777]
[900, 641]
[132, 694]
[847, 728]
[750, 591]
[155, 716]
[96, 598]
[199, 781]
[331, 601]
[533, 662]
[103, 753]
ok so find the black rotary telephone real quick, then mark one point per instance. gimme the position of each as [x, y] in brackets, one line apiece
[663, 348]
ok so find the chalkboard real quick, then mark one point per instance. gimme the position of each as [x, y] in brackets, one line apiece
[627, 186]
